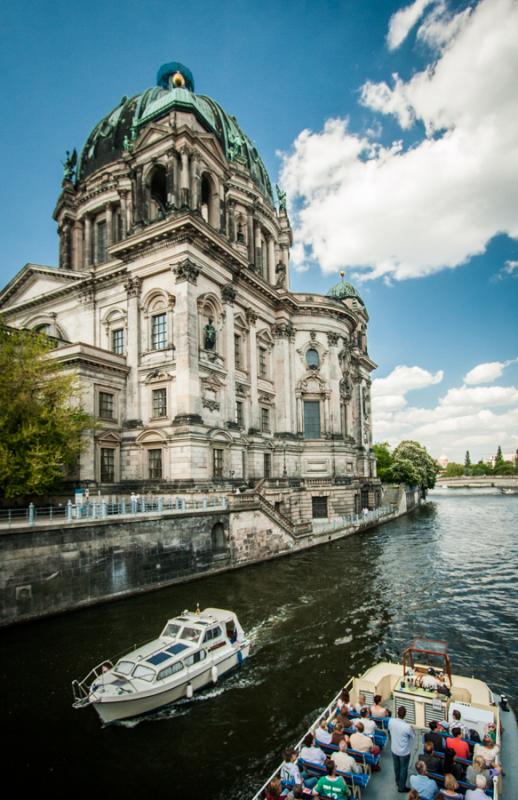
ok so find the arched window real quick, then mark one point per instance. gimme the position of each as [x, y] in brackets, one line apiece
[312, 358]
[158, 193]
[206, 199]
[219, 542]
[45, 328]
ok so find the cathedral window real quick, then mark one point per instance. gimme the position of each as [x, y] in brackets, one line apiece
[158, 193]
[217, 463]
[159, 402]
[207, 202]
[155, 464]
[159, 332]
[311, 419]
[107, 465]
[312, 358]
[240, 416]
[267, 465]
[319, 507]
[238, 353]
[265, 420]
[100, 242]
[263, 362]
[118, 341]
[106, 405]
[45, 329]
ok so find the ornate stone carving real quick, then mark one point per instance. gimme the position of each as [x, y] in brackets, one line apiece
[133, 286]
[280, 272]
[186, 271]
[283, 329]
[212, 405]
[87, 292]
[251, 316]
[228, 293]
[346, 388]
[209, 336]
[332, 339]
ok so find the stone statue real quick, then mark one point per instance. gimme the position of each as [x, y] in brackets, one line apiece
[69, 165]
[280, 271]
[209, 336]
[127, 144]
[235, 144]
[281, 197]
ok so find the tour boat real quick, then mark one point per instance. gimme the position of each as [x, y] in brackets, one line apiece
[194, 650]
[399, 684]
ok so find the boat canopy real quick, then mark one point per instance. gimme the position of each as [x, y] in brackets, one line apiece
[429, 647]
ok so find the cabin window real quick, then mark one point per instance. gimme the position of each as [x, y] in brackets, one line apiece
[170, 670]
[124, 667]
[190, 634]
[214, 633]
[144, 673]
[195, 658]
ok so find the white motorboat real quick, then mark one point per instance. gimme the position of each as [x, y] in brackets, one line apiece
[409, 685]
[194, 650]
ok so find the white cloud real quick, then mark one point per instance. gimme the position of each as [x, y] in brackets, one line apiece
[440, 27]
[402, 22]
[408, 212]
[487, 372]
[511, 267]
[477, 418]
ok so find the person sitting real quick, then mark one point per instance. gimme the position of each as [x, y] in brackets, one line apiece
[377, 710]
[322, 734]
[273, 790]
[344, 702]
[433, 762]
[477, 768]
[290, 773]
[345, 762]
[412, 795]
[455, 743]
[344, 720]
[434, 737]
[338, 733]
[479, 792]
[488, 750]
[310, 752]
[369, 726]
[426, 786]
[491, 732]
[331, 785]
[360, 704]
[450, 789]
[362, 743]
[295, 792]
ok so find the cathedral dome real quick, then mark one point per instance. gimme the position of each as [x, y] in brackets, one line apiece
[117, 131]
[343, 290]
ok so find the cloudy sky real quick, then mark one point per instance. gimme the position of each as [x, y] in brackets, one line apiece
[393, 129]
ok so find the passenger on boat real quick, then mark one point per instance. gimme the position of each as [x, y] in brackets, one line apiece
[456, 743]
[310, 752]
[433, 762]
[450, 789]
[344, 719]
[344, 701]
[426, 786]
[434, 737]
[273, 790]
[477, 768]
[360, 704]
[479, 792]
[377, 710]
[322, 734]
[401, 737]
[344, 762]
[362, 743]
[331, 785]
[412, 795]
[290, 773]
[338, 733]
[295, 792]
[455, 722]
[369, 726]
[488, 750]
[491, 731]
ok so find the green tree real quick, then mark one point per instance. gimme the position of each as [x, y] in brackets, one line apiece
[403, 470]
[499, 459]
[467, 463]
[481, 468]
[454, 470]
[425, 468]
[41, 420]
[383, 459]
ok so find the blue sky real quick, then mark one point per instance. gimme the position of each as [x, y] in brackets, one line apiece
[282, 68]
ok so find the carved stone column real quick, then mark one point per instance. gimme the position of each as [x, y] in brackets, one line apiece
[171, 178]
[188, 395]
[109, 225]
[258, 259]
[270, 272]
[77, 245]
[334, 383]
[250, 237]
[88, 241]
[228, 294]
[125, 225]
[283, 332]
[195, 183]
[184, 178]
[132, 287]
[254, 389]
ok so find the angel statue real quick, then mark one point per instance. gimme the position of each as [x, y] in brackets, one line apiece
[281, 197]
[69, 165]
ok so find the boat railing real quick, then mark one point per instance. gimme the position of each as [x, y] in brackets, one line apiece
[325, 713]
[81, 689]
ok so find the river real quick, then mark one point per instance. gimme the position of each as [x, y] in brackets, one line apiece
[447, 571]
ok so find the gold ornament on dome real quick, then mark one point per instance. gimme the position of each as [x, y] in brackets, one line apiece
[177, 81]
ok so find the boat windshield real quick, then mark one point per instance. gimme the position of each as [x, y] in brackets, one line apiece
[124, 667]
[144, 672]
[172, 630]
[190, 634]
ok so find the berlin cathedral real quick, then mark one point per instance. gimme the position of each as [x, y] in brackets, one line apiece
[172, 306]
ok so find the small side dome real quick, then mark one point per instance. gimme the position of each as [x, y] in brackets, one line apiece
[343, 290]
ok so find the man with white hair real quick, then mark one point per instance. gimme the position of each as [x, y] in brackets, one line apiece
[344, 762]
[478, 793]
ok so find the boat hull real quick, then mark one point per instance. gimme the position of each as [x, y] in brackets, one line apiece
[128, 707]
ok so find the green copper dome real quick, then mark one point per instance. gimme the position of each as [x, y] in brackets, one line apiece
[343, 290]
[117, 131]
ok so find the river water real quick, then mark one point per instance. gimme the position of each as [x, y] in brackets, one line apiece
[447, 571]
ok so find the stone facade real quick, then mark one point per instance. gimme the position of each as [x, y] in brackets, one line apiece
[171, 302]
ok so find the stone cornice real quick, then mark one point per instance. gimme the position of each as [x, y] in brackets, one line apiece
[28, 271]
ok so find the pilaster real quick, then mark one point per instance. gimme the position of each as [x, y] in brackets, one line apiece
[133, 286]
[188, 395]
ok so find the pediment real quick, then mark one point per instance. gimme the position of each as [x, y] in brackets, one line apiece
[152, 134]
[34, 282]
